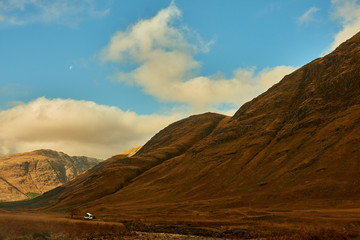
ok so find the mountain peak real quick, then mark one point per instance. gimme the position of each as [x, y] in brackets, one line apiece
[330, 83]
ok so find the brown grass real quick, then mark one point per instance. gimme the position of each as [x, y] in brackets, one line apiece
[245, 230]
[319, 234]
[17, 225]
[33, 226]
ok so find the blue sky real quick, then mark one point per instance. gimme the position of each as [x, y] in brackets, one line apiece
[132, 67]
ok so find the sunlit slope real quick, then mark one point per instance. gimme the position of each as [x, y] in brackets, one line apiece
[25, 175]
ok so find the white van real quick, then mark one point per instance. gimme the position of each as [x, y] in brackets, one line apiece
[89, 216]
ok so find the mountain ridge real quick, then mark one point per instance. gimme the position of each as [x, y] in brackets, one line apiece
[295, 146]
[283, 148]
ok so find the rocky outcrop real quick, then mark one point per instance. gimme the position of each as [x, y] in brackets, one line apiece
[25, 175]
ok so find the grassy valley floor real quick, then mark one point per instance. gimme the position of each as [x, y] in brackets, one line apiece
[251, 224]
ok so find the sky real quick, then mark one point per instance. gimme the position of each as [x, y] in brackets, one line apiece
[97, 77]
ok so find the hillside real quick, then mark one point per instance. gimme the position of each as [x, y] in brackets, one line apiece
[296, 146]
[25, 175]
[113, 174]
[131, 152]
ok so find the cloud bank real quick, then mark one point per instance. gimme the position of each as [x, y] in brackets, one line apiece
[76, 127]
[347, 12]
[163, 52]
[66, 12]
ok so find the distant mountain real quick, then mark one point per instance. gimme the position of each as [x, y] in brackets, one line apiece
[295, 146]
[26, 175]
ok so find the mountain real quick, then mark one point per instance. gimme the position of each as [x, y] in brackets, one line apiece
[25, 175]
[115, 173]
[131, 152]
[296, 146]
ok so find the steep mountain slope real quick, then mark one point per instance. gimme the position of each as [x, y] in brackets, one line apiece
[295, 146]
[24, 174]
[131, 152]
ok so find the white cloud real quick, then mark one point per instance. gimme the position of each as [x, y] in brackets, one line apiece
[66, 12]
[308, 16]
[166, 67]
[76, 127]
[348, 13]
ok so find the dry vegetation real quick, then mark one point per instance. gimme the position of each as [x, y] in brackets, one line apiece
[253, 229]
[35, 226]
[293, 225]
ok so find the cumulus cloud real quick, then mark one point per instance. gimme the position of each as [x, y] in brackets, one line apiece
[67, 12]
[163, 53]
[308, 16]
[348, 13]
[76, 127]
